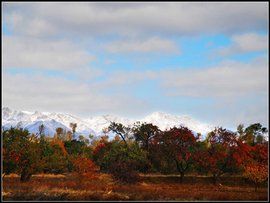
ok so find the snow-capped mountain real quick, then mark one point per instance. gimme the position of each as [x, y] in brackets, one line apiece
[165, 121]
[92, 125]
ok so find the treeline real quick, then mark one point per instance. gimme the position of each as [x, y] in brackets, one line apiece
[143, 148]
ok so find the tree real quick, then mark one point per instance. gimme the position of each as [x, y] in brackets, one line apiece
[217, 157]
[240, 130]
[73, 127]
[84, 166]
[59, 133]
[57, 160]
[121, 161]
[144, 135]
[253, 134]
[91, 136]
[74, 147]
[252, 156]
[21, 153]
[120, 130]
[257, 173]
[41, 129]
[81, 138]
[178, 145]
[69, 136]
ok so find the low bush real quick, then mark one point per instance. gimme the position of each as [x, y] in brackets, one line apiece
[124, 172]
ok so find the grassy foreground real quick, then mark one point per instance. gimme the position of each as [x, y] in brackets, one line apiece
[150, 187]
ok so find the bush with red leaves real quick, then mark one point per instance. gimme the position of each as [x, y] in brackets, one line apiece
[124, 172]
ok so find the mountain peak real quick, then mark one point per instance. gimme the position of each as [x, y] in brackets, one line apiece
[158, 113]
[95, 125]
[6, 109]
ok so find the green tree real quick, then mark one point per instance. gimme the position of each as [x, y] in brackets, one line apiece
[121, 130]
[144, 134]
[74, 147]
[57, 158]
[253, 134]
[81, 138]
[21, 153]
[121, 161]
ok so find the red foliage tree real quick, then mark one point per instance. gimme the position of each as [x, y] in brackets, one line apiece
[256, 172]
[178, 145]
[256, 167]
[260, 153]
[217, 156]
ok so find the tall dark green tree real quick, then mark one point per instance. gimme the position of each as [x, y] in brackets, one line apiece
[144, 134]
[253, 134]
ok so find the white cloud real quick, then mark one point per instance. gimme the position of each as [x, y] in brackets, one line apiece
[154, 45]
[129, 78]
[244, 43]
[226, 80]
[39, 54]
[248, 110]
[58, 94]
[133, 19]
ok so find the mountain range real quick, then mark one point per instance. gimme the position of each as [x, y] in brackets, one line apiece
[92, 125]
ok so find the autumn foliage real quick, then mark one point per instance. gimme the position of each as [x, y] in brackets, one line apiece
[257, 173]
[141, 149]
[177, 145]
[84, 165]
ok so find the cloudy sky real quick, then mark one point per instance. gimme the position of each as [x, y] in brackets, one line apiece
[205, 60]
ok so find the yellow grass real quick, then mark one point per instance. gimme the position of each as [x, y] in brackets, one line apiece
[103, 187]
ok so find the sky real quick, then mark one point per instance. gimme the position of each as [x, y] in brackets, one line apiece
[205, 60]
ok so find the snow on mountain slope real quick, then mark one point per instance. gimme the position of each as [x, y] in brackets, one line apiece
[66, 119]
[49, 126]
[92, 125]
[165, 121]
[99, 123]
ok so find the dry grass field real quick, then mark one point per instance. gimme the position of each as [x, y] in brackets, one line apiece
[150, 187]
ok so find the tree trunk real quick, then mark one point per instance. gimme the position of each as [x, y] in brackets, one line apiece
[180, 170]
[256, 187]
[25, 176]
[182, 177]
[215, 179]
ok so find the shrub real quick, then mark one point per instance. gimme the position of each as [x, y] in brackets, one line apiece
[122, 160]
[257, 173]
[83, 165]
[124, 172]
